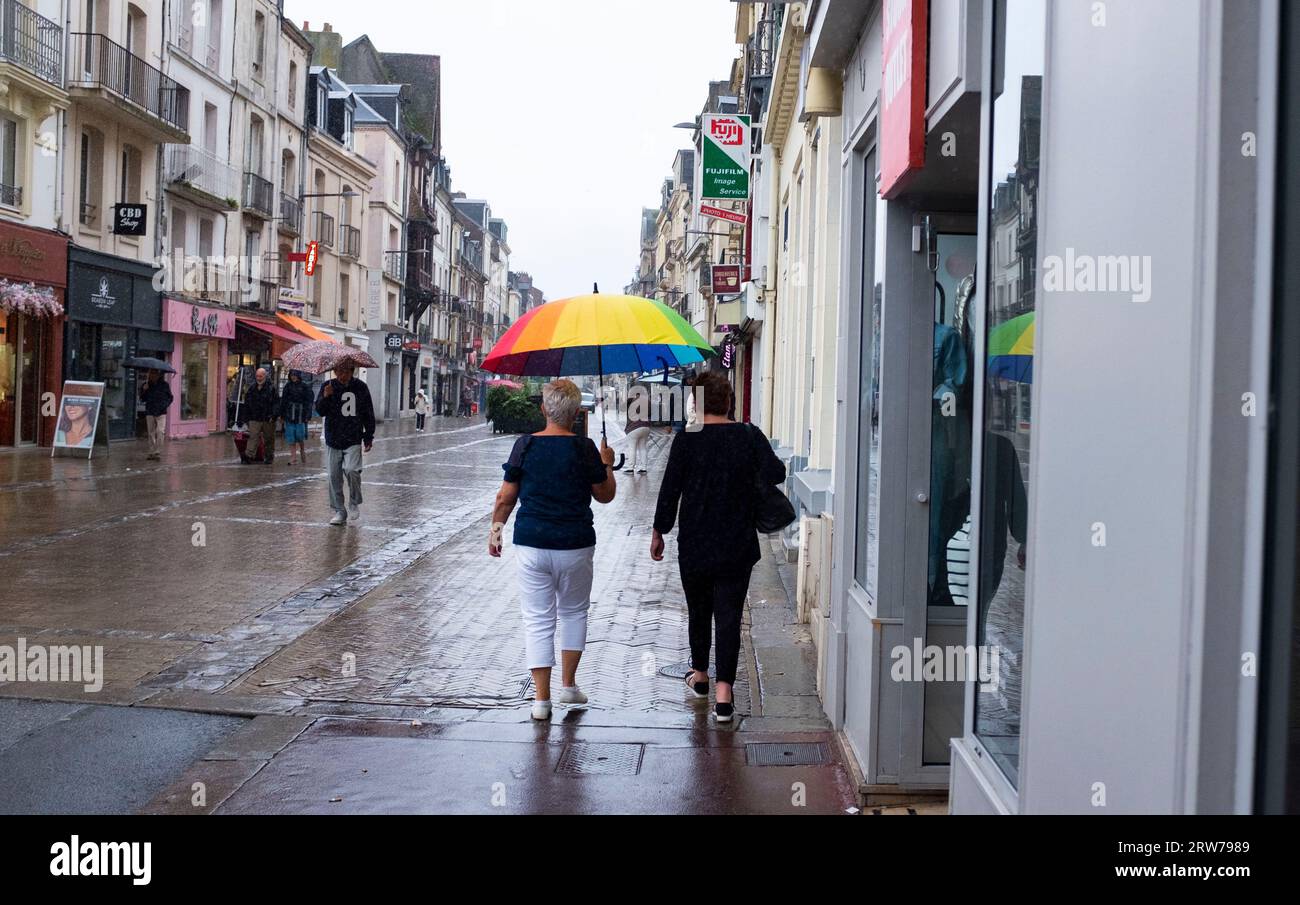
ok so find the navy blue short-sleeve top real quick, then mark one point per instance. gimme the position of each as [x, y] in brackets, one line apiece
[555, 475]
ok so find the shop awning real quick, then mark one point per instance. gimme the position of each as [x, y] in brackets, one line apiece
[303, 327]
[275, 331]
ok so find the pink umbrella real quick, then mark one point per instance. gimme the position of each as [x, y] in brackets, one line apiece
[321, 355]
[502, 382]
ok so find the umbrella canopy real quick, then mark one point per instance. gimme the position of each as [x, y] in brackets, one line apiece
[321, 355]
[150, 364]
[659, 377]
[1011, 349]
[597, 334]
[508, 384]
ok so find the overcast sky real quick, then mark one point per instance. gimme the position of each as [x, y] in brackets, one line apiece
[558, 112]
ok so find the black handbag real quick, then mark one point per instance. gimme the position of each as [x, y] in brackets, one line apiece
[773, 511]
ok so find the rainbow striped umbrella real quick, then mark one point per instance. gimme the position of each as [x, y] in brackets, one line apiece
[597, 334]
[1011, 349]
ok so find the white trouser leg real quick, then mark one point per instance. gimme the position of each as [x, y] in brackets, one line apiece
[574, 575]
[537, 588]
[638, 438]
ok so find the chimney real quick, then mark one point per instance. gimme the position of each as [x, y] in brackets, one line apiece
[328, 27]
[306, 26]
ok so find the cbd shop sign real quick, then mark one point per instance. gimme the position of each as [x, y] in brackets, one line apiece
[129, 219]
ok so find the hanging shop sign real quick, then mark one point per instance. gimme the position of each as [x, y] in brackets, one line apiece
[728, 353]
[129, 219]
[726, 279]
[309, 257]
[292, 301]
[721, 213]
[725, 165]
[902, 94]
[393, 341]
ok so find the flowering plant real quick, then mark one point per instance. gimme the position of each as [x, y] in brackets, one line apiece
[28, 298]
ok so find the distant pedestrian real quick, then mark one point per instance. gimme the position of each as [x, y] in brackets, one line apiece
[344, 403]
[554, 475]
[421, 410]
[711, 474]
[261, 407]
[638, 434]
[466, 401]
[156, 395]
[296, 405]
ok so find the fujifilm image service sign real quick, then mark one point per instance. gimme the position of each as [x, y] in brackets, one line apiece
[725, 163]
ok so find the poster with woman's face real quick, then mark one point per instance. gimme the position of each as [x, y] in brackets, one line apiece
[78, 415]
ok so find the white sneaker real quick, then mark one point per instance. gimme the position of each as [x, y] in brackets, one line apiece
[354, 512]
[571, 694]
[541, 710]
[339, 519]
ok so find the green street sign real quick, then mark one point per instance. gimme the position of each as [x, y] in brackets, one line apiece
[725, 161]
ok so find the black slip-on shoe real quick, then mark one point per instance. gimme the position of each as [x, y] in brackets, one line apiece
[724, 712]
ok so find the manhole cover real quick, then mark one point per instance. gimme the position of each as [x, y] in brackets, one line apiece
[591, 759]
[776, 754]
[678, 671]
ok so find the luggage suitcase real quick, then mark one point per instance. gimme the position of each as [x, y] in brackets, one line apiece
[241, 446]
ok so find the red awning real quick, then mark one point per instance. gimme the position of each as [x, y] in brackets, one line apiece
[275, 331]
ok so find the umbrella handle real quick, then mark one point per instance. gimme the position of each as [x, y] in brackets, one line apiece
[622, 457]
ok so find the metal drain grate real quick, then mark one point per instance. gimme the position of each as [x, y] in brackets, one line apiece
[678, 671]
[776, 754]
[580, 759]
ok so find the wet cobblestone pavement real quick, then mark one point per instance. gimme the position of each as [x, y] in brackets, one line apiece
[219, 588]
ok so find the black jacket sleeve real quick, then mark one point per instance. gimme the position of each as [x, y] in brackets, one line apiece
[326, 406]
[670, 491]
[770, 469]
[367, 413]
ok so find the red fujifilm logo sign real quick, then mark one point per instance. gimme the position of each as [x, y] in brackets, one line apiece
[727, 131]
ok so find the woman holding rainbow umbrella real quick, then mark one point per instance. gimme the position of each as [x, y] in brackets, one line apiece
[554, 475]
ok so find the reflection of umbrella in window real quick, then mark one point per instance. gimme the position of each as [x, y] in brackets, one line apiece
[149, 364]
[1011, 349]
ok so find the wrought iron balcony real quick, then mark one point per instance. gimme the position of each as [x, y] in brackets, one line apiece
[31, 41]
[290, 214]
[96, 62]
[349, 241]
[393, 264]
[761, 58]
[11, 195]
[196, 168]
[323, 228]
[259, 195]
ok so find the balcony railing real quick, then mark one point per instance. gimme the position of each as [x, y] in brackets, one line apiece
[349, 241]
[323, 228]
[762, 50]
[259, 195]
[97, 62]
[31, 41]
[290, 213]
[265, 294]
[202, 170]
[393, 264]
[11, 195]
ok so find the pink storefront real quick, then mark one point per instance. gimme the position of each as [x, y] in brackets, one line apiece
[199, 357]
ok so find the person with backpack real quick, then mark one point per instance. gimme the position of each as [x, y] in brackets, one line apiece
[554, 475]
[713, 476]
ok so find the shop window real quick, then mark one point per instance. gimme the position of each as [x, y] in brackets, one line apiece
[194, 380]
[1008, 372]
[865, 563]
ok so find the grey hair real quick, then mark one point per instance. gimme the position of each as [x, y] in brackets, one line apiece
[560, 401]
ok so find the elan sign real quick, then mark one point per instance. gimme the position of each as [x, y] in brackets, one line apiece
[902, 94]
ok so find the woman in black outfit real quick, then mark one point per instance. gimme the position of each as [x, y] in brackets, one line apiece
[711, 472]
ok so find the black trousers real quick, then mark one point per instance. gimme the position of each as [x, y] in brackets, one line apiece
[716, 598]
[419, 422]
